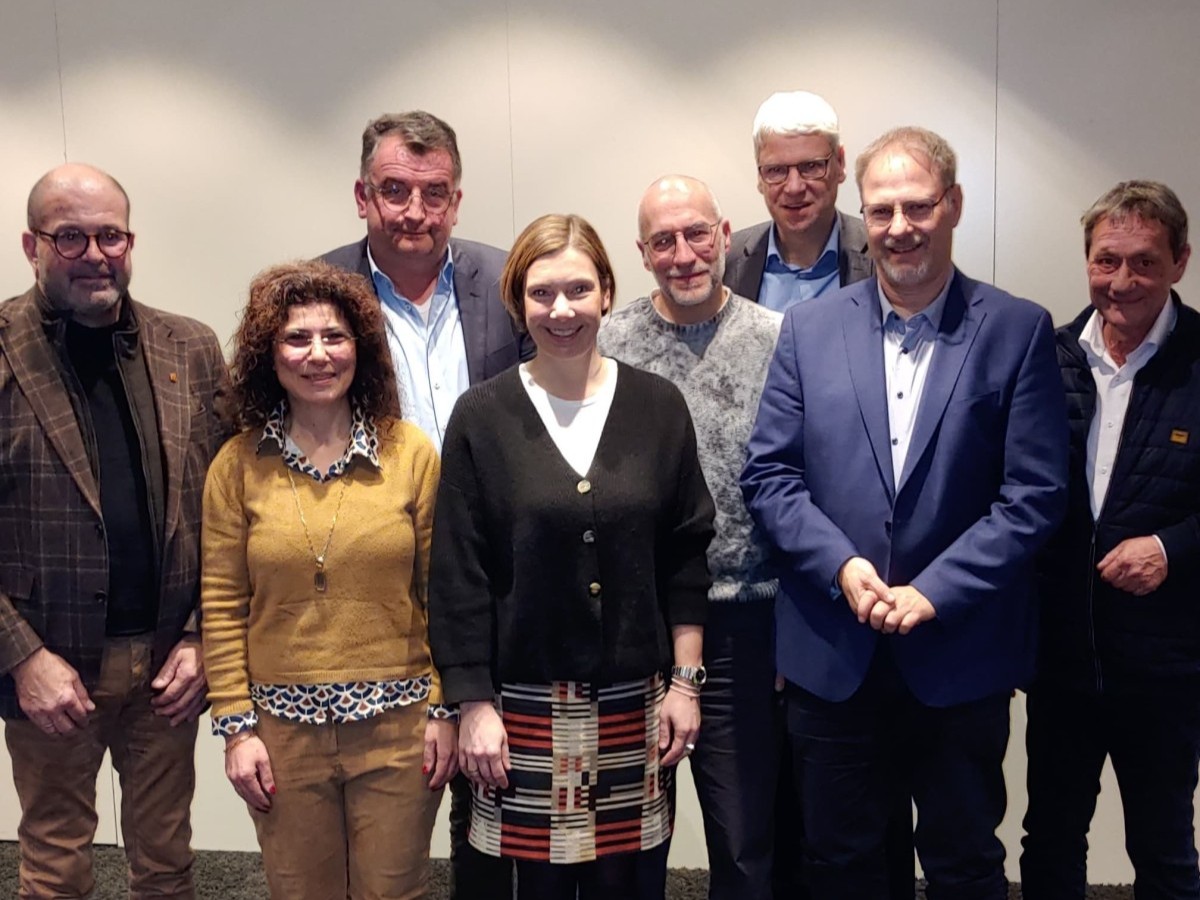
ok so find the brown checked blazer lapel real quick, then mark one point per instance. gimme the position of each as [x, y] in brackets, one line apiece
[167, 363]
[39, 371]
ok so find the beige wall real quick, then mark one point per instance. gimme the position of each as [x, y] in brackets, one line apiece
[235, 128]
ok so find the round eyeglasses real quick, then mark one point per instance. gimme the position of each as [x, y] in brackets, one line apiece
[72, 243]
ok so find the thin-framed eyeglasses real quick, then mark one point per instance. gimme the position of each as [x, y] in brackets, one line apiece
[396, 195]
[808, 169]
[72, 243]
[699, 236]
[301, 343]
[917, 212]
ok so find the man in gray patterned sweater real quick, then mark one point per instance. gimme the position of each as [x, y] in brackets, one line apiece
[716, 347]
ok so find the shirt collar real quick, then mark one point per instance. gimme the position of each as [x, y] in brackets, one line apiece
[386, 289]
[931, 314]
[826, 263]
[1091, 339]
[364, 442]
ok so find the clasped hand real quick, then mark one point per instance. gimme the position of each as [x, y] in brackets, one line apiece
[887, 609]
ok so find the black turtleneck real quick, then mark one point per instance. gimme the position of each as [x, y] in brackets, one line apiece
[121, 476]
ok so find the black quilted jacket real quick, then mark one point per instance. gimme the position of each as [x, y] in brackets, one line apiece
[1094, 635]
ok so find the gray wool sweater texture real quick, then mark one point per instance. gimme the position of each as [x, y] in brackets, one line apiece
[720, 367]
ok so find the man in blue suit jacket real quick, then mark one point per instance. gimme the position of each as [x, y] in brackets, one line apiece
[447, 330]
[908, 461]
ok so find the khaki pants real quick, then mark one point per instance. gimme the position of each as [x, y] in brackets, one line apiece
[55, 778]
[352, 814]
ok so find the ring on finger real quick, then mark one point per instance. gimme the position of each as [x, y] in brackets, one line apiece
[689, 747]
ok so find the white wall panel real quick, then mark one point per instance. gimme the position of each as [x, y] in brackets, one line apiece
[236, 128]
[606, 98]
[1090, 93]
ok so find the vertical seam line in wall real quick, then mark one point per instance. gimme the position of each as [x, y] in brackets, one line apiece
[62, 105]
[512, 169]
[996, 151]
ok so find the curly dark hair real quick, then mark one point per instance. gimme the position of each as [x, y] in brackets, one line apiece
[272, 292]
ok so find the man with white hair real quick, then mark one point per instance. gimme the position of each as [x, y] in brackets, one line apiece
[715, 347]
[808, 247]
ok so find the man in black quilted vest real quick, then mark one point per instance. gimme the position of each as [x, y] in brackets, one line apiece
[1119, 672]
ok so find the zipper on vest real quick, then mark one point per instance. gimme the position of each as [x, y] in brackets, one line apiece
[1091, 611]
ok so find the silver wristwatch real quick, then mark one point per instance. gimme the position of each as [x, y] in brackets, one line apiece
[694, 675]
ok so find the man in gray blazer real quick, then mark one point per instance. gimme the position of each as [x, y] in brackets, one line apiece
[808, 247]
[440, 295]
[447, 330]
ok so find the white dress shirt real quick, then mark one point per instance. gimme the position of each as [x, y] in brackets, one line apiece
[908, 345]
[1114, 385]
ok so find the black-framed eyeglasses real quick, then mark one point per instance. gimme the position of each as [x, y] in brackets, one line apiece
[917, 212]
[808, 169]
[396, 195]
[72, 243]
[698, 235]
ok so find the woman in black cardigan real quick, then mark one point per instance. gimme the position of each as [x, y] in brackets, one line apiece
[568, 588]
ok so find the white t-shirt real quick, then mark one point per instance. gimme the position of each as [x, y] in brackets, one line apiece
[574, 425]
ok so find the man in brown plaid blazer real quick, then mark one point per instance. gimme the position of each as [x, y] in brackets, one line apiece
[108, 420]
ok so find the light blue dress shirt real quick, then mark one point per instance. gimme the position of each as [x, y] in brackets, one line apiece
[784, 285]
[430, 356]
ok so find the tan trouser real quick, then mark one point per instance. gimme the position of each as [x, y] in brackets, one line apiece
[352, 814]
[55, 778]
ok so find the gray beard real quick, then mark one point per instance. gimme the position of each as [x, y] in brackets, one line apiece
[716, 274]
[907, 276]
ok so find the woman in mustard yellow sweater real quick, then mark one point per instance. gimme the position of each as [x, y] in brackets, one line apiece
[317, 522]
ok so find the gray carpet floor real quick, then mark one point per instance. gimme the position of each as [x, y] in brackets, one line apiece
[239, 876]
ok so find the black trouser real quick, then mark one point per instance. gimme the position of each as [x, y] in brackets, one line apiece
[787, 873]
[474, 875]
[856, 757]
[1153, 738]
[736, 759]
[641, 875]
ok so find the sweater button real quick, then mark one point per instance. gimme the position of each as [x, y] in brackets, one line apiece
[101, 597]
[589, 537]
[594, 589]
[584, 486]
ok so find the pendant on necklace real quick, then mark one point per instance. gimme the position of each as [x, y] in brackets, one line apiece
[319, 581]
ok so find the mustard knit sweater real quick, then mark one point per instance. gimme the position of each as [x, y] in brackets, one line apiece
[263, 619]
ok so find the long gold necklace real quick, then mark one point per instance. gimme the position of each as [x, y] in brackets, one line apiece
[319, 580]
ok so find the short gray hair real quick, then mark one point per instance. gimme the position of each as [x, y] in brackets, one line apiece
[918, 142]
[1150, 201]
[421, 132]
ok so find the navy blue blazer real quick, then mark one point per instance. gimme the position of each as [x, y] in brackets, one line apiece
[982, 488]
[494, 343]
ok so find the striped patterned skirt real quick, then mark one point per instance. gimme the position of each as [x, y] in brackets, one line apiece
[585, 779]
